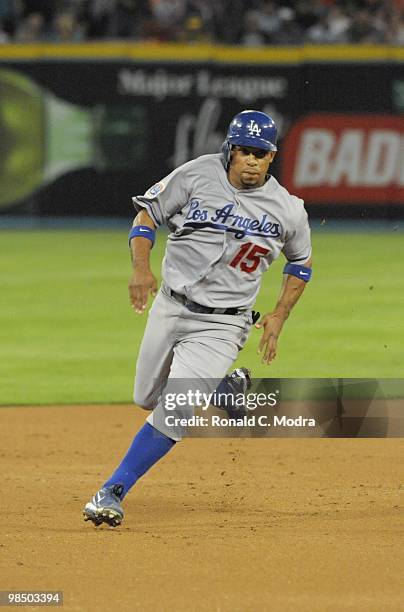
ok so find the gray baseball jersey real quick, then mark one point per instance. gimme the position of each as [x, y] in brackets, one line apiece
[221, 238]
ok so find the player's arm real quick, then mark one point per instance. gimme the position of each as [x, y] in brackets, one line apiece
[142, 281]
[292, 288]
[155, 208]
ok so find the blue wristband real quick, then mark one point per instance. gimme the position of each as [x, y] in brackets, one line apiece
[299, 271]
[144, 232]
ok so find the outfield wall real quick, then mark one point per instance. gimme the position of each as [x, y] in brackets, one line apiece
[83, 127]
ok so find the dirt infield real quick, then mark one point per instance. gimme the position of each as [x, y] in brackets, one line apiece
[218, 525]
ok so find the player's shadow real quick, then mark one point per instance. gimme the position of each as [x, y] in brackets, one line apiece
[339, 407]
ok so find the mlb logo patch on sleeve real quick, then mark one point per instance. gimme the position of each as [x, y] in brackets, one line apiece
[155, 190]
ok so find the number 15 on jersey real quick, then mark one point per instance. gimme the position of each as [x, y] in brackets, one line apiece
[248, 257]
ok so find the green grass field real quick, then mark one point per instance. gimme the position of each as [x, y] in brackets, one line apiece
[68, 335]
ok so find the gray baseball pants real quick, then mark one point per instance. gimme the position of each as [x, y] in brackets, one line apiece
[182, 350]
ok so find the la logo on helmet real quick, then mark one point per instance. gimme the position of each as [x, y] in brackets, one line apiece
[253, 129]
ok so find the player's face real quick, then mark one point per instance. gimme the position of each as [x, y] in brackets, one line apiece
[249, 167]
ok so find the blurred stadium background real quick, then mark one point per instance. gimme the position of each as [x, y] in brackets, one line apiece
[99, 100]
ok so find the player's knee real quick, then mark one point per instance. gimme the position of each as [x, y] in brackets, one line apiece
[142, 405]
[148, 408]
[141, 402]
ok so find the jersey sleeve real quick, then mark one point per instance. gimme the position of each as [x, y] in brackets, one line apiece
[165, 198]
[297, 247]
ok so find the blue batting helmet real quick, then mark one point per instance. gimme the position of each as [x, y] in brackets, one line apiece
[250, 128]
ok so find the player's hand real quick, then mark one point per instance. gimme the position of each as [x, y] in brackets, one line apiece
[272, 324]
[140, 285]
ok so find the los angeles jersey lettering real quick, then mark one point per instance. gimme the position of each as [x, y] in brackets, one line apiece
[224, 219]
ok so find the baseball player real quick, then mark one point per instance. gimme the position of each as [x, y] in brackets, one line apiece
[228, 220]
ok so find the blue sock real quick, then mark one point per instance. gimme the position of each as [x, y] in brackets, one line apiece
[148, 446]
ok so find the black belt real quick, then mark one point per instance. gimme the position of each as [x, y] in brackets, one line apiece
[195, 307]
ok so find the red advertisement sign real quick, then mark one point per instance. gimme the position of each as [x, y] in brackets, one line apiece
[347, 159]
